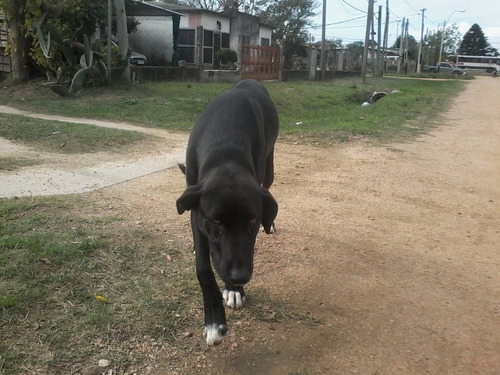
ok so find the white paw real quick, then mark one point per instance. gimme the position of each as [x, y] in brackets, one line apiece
[213, 334]
[233, 299]
[273, 229]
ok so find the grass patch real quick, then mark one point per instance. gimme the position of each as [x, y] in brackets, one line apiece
[10, 164]
[327, 111]
[56, 256]
[55, 136]
[320, 109]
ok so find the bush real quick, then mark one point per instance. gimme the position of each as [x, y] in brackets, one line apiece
[226, 55]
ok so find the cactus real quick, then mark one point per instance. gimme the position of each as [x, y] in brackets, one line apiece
[89, 55]
[44, 43]
[80, 61]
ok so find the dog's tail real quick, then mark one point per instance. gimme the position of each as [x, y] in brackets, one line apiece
[182, 167]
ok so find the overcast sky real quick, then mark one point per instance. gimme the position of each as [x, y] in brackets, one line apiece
[346, 19]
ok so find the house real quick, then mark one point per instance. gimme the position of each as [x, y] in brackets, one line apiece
[200, 34]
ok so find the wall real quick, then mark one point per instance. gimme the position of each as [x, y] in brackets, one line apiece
[244, 24]
[187, 74]
[154, 39]
[209, 22]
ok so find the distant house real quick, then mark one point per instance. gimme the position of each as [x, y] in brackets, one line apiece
[200, 34]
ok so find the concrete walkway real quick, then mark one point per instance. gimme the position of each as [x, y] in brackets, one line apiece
[73, 174]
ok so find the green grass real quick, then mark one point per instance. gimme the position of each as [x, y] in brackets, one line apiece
[55, 254]
[335, 110]
[9, 164]
[324, 109]
[55, 136]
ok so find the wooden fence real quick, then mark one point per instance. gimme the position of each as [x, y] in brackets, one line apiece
[5, 66]
[260, 63]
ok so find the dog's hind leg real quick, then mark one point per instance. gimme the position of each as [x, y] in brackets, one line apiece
[269, 179]
[269, 175]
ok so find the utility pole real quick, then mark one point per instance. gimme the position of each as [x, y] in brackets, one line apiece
[419, 67]
[406, 45]
[379, 42]
[369, 20]
[401, 50]
[323, 42]
[386, 35]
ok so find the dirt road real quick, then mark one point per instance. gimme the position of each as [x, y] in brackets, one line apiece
[391, 253]
[393, 250]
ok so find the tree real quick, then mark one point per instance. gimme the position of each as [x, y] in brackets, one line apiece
[228, 6]
[15, 13]
[432, 44]
[289, 18]
[73, 19]
[121, 26]
[412, 46]
[475, 43]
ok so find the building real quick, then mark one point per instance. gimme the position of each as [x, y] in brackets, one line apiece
[170, 33]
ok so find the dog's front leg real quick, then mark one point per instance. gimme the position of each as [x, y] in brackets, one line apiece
[215, 315]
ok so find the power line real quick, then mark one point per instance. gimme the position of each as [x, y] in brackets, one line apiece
[407, 3]
[337, 23]
[353, 7]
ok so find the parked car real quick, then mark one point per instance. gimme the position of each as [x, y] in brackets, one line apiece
[444, 67]
[136, 58]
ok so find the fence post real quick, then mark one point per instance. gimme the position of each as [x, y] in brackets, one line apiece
[199, 51]
[281, 65]
[313, 64]
[241, 53]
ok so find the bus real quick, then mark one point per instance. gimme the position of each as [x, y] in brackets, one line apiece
[488, 63]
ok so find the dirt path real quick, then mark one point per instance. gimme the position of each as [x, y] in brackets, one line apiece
[393, 253]
[394, 250]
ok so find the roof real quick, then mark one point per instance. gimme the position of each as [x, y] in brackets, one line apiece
[150, 9]
[176, 7]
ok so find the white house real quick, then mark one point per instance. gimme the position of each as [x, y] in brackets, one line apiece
[168, 33]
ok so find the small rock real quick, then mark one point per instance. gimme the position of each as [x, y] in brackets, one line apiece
[104, 363]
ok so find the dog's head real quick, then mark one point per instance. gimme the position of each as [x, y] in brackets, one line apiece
[229, 214]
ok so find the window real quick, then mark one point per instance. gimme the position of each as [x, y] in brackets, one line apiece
[245, 39]
[186, 54]
[187, 36]
[186, 42]
[225, 40]
[208, 46]
[264, 42]
[208, 38]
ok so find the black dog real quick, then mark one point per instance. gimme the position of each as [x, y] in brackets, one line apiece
[229, 169]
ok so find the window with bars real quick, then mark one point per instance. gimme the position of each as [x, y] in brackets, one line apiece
[186, 44]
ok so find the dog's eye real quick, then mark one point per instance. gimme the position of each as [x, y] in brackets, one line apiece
[217, 221]
[253, 221]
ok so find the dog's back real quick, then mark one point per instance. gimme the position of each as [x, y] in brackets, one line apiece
[241, 124]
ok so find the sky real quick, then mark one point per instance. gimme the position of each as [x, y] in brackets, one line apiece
[346, 19]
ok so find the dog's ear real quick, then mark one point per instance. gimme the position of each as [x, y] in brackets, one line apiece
[189, 200]
[269, 211]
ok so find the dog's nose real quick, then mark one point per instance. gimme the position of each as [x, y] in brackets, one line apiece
[239, 276]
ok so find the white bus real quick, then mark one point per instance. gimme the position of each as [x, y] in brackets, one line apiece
[488, 63]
